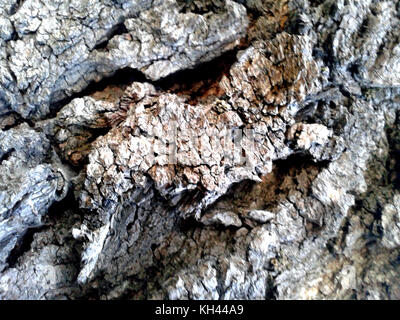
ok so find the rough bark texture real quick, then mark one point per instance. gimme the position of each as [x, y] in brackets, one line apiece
[120, 124]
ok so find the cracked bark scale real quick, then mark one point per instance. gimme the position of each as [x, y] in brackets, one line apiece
[94, 93]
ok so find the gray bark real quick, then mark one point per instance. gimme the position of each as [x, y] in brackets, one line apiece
[121, 121]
